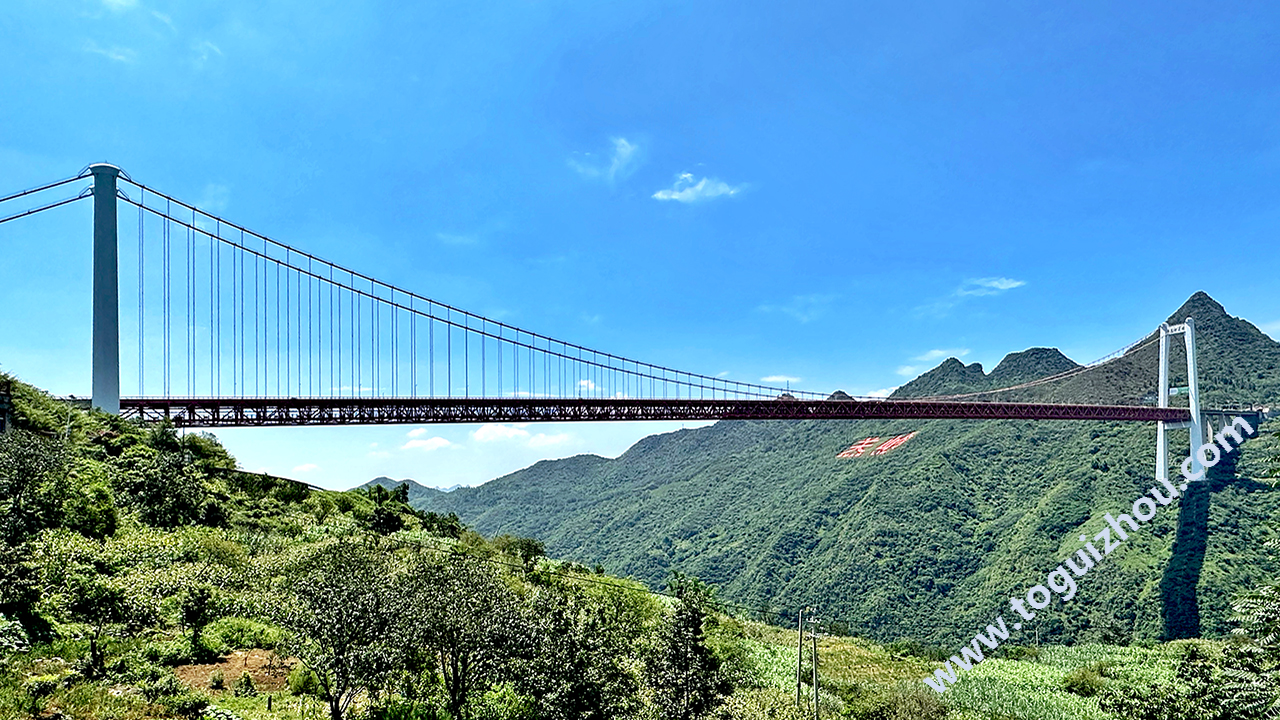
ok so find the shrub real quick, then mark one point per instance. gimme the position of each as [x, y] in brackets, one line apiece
[187, 703]
[237, 633]
[302, 681]
[217, 680]
[168, 653]
[912, 648]
[1084, 681]
[399, 709]
[244, 686]
[13, 639]
[1017, 652]
[41, 686]
[504, 703]
[344, 502]
[761, 704]
[165, 686]
[91, 511]
[909, 702]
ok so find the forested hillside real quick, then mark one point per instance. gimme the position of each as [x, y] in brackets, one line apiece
[143, 576]
[930, 539]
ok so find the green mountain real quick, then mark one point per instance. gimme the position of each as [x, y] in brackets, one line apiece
[417, 491]
[929, 540]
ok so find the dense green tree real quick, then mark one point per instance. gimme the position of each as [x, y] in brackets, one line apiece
[469, 622]
[582, 647]
[526, 550]
[20, 588]
[91, 511]
[386, 519]
[341, 617]
[197, 608]
[34, 484]
[162, 486]
[100, 604]
[683, 672]
[443, 525]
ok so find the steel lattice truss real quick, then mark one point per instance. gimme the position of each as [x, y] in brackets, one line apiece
[255, 412]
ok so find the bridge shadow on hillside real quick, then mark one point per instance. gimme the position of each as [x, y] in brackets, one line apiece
[1180, 607]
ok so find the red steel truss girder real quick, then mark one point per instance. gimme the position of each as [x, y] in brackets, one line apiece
[234, 412]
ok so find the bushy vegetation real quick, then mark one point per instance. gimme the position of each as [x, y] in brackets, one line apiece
[142, 573]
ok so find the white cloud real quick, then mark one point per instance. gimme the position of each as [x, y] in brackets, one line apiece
[164, 19]
[940, 354]
[973, 287]
[685, 190]
[308, 467]
[907, 370]
[586, 385]
[204, 50]
[118, 54]
[119, 4]
[1271, 328]
[882, 392]
[804, 308]
[490, 432]
[779, 379]
[544, 440]
[623, 154]
[426, 445]
[416, 432]
[988, 286]
[378, 454]
[622, 162]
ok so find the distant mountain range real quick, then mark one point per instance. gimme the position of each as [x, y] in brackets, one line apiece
[930, 539]
[416, 489]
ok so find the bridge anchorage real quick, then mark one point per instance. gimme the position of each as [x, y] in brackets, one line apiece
[234, 328]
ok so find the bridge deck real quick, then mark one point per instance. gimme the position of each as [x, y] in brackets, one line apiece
[257, 412]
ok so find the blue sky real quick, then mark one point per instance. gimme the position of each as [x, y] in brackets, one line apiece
[842, 194]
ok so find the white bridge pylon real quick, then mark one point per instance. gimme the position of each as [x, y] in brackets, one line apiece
[1196, 425]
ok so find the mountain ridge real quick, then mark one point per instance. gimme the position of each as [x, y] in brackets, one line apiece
[923, 541]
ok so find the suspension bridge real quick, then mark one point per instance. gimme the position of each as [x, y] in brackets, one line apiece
[234, 328]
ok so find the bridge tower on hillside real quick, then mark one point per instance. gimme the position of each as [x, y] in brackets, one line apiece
[106, 290]
[1195, 426]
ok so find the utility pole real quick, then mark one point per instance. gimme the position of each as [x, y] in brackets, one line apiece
[799, 657]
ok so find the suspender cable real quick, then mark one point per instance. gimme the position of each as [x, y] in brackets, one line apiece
[297, 312]
[277, 328]
[165, 284]
[449, 353]
[310, 334]
[332, 319]
[288, 328]
[357, 346]
[413, 349]
[191, 353]
[243, 387]
[142, 293]
[215, 356]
